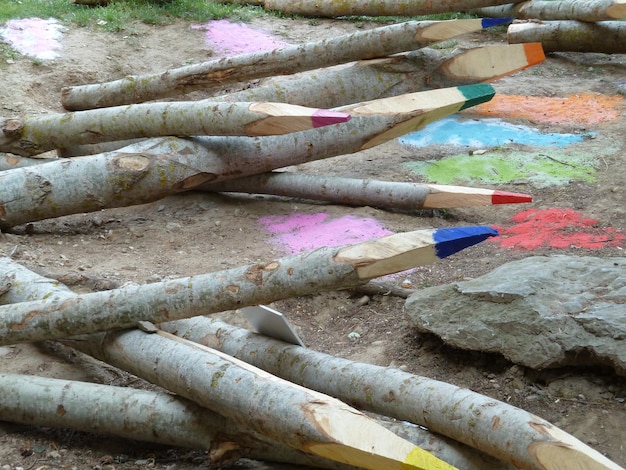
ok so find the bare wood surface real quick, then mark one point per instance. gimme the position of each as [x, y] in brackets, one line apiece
[496, 428]
[607, 37]
[374, 43]
[590, 10]
[39, 134]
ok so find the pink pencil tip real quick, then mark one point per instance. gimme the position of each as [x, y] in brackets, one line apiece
[325, 117]
[504, 197]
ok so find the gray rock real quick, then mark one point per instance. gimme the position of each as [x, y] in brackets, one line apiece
[539, 312]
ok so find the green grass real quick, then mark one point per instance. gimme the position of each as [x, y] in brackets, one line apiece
[120, 14]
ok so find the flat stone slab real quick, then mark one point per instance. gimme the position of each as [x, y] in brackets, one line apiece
[538, 312]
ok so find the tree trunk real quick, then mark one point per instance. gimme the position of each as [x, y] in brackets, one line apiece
[358, 192]
[590, 10]
[31, 286]
[333, 8]
[607, 37]
[374, 43]
[43, 133]
[10, 162]
[152, 169]
[293, 415]
[496, 428]
[323, 269]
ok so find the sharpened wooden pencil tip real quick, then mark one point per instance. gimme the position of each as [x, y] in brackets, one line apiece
[534, 53]
[325, 117]
[504, 197]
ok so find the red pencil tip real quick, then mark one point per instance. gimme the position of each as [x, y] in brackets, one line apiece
[325, 117]
[503, 197]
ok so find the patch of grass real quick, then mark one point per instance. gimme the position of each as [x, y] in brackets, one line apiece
[119, 15]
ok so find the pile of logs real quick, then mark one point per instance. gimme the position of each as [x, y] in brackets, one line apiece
[234, 393]
[559, 25]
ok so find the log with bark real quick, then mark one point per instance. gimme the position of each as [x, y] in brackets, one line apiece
[590, 10]
[415, 71]
[607, 37]
[142, 415]
[374, 43]
[153, 169]
[40, 134]
[275, 408]
[494, 427]
[24, 285]
[358, 192]
[334, 8]
[327, 268]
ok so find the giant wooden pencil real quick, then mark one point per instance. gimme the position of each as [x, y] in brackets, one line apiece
[607, 37]
[415, 71]
[152, 169]
[359, 192]
[334, 8]
[374, 43]
[293, 415]
[590, 10]
[323, 269]
[497, 428]
[40, 134]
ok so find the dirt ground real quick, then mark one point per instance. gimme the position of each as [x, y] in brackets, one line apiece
[198, 232]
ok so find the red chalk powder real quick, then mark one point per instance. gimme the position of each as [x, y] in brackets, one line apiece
[557, 228]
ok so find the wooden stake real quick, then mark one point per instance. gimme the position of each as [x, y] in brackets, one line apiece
[323, 269]
[358, 192]
[152, 169]
[607, 37]
[494, 427]
[54, 131]
[374, 43]
[590, 10]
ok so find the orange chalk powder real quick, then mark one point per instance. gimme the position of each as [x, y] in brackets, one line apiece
[581, 109]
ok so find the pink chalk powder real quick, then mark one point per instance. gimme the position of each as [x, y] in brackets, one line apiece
[33, 37]
[305, 232]
[237, 38]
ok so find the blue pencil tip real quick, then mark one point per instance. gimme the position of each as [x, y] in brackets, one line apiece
[451, 240]
[489, 22]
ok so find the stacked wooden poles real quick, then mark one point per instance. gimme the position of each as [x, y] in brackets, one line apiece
[370, 44]
[152, 169]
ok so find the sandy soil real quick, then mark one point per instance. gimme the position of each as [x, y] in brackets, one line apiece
[197, 233]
